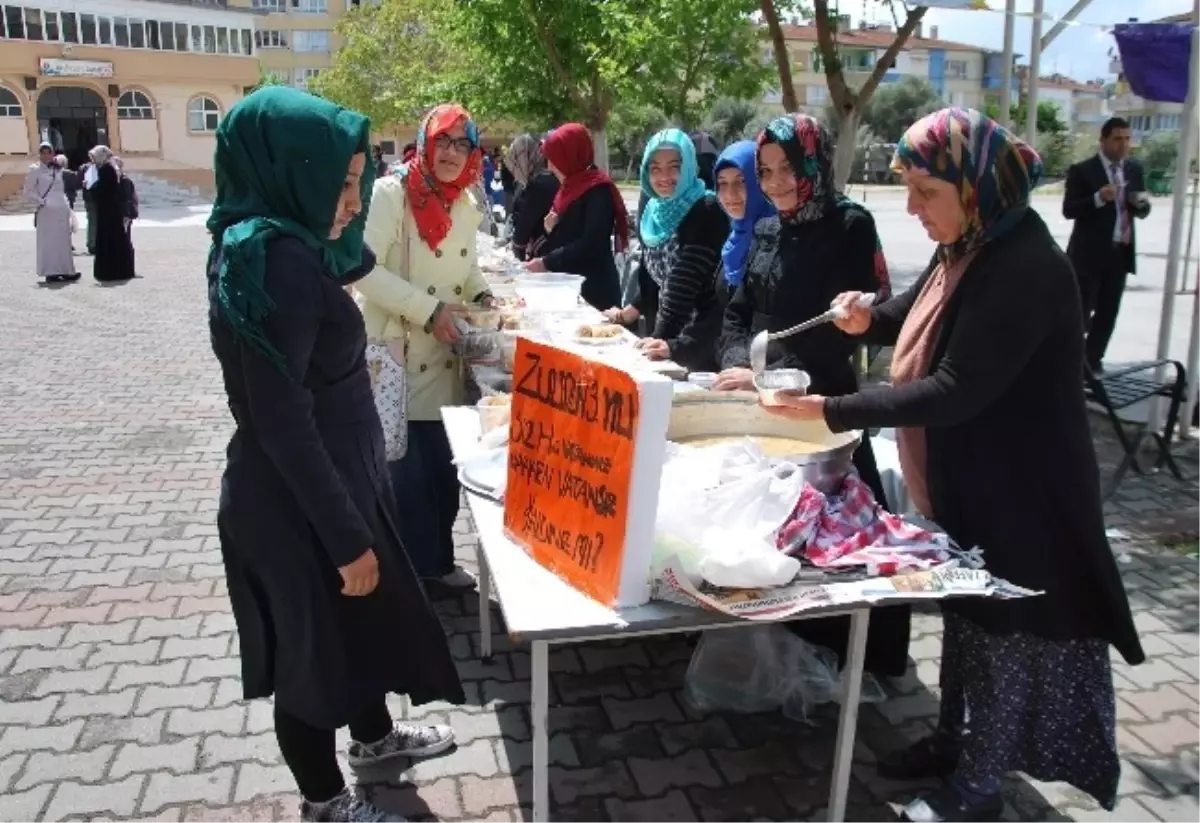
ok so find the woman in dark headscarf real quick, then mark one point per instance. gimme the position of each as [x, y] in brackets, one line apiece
[819, 245]
[330, 615]
[706, 158]
[985, 387]
[114, 250]
[536, 187]
[743, 200]
[586, 216]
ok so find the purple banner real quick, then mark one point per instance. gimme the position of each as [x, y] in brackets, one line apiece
[1155, 59]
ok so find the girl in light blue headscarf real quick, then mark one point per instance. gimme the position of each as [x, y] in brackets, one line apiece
[682, 229]
[743, 200]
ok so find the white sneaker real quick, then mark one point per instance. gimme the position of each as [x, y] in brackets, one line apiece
[459, 578]
[404, 740]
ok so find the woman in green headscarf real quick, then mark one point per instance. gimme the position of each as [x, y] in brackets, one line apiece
[683, 229]
[317, 573]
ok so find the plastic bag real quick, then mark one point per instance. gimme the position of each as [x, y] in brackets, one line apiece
[718, 511]
[762, 668]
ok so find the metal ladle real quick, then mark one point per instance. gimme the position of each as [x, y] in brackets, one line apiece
[758, 346]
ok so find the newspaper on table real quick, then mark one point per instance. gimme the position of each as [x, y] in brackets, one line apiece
[780, 602]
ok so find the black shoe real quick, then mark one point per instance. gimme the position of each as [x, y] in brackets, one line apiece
[946, 804]
[933, 756]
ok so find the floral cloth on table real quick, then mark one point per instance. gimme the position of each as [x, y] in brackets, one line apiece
[851, 529]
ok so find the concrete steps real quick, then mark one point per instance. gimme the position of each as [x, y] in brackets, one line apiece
[153, 192]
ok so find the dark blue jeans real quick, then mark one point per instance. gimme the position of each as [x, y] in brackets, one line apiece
[425, 481]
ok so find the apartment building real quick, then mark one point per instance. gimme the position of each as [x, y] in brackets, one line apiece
[1145, 117]
[964, 74]
[150, 78]
[295, 39]
[1083, 107]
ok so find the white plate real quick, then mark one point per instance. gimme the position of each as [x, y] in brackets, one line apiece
[602, 341]
[486, 473]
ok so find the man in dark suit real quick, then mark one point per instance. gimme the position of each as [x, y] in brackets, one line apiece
[1104, 195]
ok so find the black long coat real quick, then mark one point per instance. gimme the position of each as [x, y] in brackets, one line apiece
[581, 243]
[114, 251]
[305, 491]
[792, 274]
[1010, 463]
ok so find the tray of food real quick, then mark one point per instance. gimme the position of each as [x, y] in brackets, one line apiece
[600, 334]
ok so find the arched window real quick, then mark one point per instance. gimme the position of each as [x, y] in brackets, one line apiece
[133, 105]
[203, 114]
[10, 106]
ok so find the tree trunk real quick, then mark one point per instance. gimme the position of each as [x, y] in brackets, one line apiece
[843, 153]
[600, 142]
[783, 62]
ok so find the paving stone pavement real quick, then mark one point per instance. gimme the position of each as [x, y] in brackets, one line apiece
[119, 677]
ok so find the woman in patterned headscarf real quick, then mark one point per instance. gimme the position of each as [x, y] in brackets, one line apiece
[996, 448]
[536, 187]
[422, 229]
[818, 245]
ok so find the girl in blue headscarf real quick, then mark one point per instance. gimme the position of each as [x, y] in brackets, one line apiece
[682, 229]
[739, 194]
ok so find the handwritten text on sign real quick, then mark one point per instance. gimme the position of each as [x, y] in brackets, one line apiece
[570, 458]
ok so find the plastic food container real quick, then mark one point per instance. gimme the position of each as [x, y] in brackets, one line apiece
[550, 291]
[702, 379]
[771, 384]
[494, 411]
[478, 319]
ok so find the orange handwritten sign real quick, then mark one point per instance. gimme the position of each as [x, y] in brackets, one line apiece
[570, 459]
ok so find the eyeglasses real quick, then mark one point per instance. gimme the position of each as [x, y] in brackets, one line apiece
[462, 145]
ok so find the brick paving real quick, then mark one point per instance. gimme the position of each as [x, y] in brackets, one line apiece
[119, 690]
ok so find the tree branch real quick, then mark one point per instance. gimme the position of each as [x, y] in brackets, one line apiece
[546, 38]
[885, 62]
[782, 61]
[835, 78]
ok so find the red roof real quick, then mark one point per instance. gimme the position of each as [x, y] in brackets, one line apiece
[876, 39]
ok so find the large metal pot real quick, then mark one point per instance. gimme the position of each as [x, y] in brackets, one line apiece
[704, 414]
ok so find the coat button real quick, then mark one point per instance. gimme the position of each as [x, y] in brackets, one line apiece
[449, 364]
[437, 252]
[432, 290]
[423, 367]
[463, 253]
[458, 289]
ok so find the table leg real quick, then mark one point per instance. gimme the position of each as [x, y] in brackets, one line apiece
[843, 754]
[485, 605]
[539, 707]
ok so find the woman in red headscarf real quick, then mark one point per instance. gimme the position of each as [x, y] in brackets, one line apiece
[422, 229]
[587, 213]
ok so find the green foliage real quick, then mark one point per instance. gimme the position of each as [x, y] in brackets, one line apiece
[1048, 119]
[700, 50]
[630, 127]
[896, 106]
[399, 59]
[1159, 152]
[1057, 151]
[730, 119]
[268, 78]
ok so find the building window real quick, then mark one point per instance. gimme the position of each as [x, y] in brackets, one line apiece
[311, 6]
[203, 114]
[181, 37]
[313, 41]
[33, 24]
[121, 31]
[133, 105]
[957, 99]
[152, 40]
[817, 95]
[10, 106]
[305, 76]
[50, 21]
[271, 39]
[70, 27]
[247, 42]
[14, 23]
[1168, 122]
[87, 29]
[270, 5]
[222, 40]
[167, 33]
[137, 34]
[956, 69]
[197, 42]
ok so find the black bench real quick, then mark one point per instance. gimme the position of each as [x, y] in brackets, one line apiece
[1128, 386]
